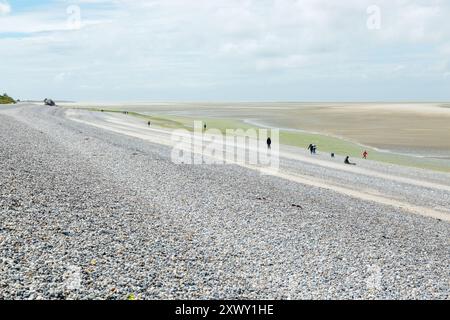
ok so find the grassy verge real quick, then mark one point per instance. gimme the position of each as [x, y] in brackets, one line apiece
[5, 99]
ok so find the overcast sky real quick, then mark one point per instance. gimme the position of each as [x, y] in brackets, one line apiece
[225, 50]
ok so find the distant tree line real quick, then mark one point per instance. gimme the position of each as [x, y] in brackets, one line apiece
[5, 99]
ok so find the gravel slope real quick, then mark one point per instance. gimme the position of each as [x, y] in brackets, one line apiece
[77, 200]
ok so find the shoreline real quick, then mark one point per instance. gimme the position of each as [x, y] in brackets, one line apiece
[292, 137]
[259, 123]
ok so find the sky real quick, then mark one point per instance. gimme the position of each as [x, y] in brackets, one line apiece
[225, 50]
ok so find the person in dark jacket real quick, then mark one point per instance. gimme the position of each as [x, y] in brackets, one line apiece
[269, 143]
[347, 161]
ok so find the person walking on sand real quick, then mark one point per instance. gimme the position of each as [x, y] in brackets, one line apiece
[365, 154]
[311, 148]
[149, 123]
[269, 143]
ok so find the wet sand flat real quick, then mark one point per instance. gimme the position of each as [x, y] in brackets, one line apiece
[411, 128]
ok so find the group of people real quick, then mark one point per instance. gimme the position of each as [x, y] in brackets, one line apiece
[347, 158]
[313, 149]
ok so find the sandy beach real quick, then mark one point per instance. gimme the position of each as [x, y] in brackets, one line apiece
[421, 129]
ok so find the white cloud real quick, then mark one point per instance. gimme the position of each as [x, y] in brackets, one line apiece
[173, 46]
[5, 8]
